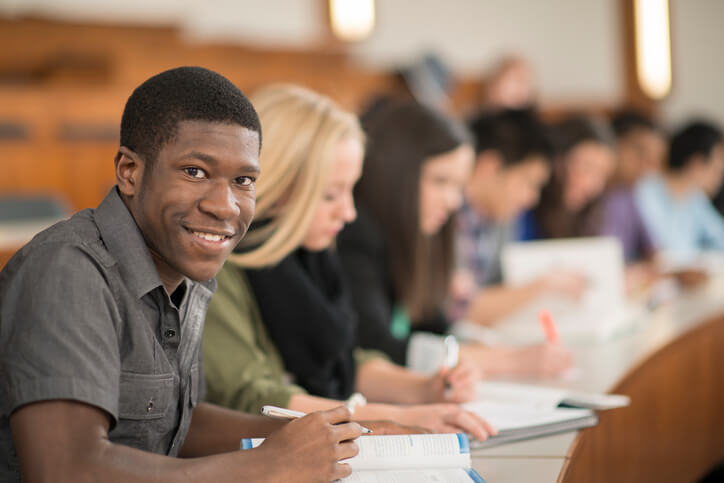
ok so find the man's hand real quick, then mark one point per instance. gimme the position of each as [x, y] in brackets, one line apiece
[535, 361]
[391, 427]
[566, 283]
[541, 360]
[309, 449]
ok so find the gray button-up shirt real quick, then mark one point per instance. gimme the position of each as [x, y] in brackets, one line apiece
[84, 316]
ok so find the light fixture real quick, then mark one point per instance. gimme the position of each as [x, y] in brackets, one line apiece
[352, 20]
[653, 47]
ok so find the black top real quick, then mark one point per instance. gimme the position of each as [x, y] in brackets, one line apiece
[309, 314]
[363, 252]
[85, 317]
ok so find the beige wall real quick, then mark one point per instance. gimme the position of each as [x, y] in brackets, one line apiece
[698, 57]
[574, 45]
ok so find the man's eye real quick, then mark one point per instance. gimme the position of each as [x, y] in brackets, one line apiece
[195, 172]
[245, 180]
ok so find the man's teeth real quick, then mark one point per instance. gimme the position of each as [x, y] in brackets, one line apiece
[210, 236]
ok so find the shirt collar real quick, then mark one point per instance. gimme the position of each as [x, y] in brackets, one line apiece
[474, 217]
[125, 243]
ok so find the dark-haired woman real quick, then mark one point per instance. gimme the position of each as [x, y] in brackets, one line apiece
[570, 202]
[398, 254]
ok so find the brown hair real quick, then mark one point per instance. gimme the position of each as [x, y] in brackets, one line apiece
[402, 136]
[554, 221]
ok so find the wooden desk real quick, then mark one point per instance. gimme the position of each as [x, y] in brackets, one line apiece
[672, 366]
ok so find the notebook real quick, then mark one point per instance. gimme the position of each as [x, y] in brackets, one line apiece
[601, 313]
[408, 458]
[547, 398]
[517, 422]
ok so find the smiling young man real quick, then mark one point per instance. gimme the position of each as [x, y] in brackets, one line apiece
[101, 315]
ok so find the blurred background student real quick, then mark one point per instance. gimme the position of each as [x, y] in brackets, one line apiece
[282, 310]
[510, 85]
[570, 204]
[514, 154]
[676, 205]
[399, 253]
[641, 150]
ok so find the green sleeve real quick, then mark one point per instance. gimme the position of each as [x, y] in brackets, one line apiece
[243, 368]
[363, 356]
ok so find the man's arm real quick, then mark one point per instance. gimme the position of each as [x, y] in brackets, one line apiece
[63, 441]
[217, 430]
[491, 304]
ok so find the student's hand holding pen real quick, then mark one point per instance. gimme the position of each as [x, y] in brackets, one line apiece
[454, 381]
[310, 448]
[458, 384]
[545, 360]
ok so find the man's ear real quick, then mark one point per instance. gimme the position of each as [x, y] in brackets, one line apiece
[129, 171]
[488, 163]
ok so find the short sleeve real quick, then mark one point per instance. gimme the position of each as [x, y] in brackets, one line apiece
[58, 330]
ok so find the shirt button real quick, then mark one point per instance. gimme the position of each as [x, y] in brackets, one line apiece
[169, 333]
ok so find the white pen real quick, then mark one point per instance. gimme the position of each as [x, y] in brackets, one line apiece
[452, 351]
[277, 412]
[452, 356]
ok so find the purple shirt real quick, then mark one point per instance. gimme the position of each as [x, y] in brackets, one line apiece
[622, 219]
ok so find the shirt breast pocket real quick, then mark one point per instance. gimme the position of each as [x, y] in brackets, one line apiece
[145, 396]
[144, 419]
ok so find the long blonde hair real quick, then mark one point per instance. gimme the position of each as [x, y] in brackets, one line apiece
[301, 130]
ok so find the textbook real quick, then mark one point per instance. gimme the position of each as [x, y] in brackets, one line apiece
[407, 458]
[517, 422]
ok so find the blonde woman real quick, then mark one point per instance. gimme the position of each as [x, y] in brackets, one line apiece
[282, 312]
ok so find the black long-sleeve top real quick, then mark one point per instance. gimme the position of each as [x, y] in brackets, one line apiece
[363, 252]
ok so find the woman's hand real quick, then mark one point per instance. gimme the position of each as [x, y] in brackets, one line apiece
[458, 384]
[445, 418]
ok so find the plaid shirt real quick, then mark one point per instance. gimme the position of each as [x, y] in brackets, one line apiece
[478, 244]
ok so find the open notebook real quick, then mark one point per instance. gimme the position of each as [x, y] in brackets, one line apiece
[601, 313]
[524, 411]
[409, 458]
[547, 398]
[516, 422]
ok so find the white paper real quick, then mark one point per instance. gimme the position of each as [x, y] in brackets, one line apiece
[409, 476]
[409, 451]
[505, 417]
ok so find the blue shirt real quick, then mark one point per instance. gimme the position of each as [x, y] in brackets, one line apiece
[681, 227]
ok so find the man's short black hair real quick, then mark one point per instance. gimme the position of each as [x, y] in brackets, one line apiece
[628, 120]
[697, 137]
[516, 134]
[152, 113]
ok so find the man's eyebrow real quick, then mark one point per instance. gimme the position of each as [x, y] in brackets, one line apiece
[206, 158]
[211, 160]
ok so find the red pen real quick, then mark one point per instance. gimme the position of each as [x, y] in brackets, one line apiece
[549, 327]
